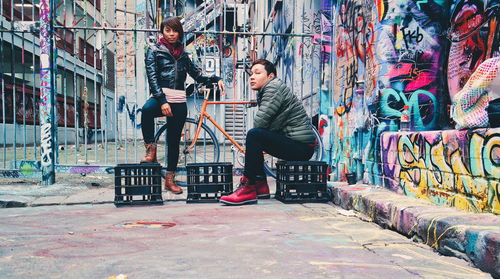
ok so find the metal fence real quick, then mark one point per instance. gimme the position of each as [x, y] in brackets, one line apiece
[81, 70]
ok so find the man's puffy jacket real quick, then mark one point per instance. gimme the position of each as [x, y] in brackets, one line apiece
[164, 71]
[281, 111]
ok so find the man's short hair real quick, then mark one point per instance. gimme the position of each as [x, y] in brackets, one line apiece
[270, 68]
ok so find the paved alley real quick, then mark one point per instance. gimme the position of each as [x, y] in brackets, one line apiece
[178, 240]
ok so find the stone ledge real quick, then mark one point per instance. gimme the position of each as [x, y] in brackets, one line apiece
[8, 201]
[474, 237]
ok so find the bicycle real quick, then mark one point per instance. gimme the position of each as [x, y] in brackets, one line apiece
[199, 143]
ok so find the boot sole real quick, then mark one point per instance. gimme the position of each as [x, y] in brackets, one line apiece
[177, 193]
[238, 203]
[265, 196]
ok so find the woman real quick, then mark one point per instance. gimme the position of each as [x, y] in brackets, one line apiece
[281, 128]
[167, 65]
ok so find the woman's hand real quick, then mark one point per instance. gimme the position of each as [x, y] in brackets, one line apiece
[166, 110]
[220, 83]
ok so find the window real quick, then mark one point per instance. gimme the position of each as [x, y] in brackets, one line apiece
[86, 53]
[22, 10]
[96, 3]
[65, 39]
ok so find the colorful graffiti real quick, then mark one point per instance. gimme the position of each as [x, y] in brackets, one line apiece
[46, 96]
[410, 51]
[459, 168]
[32, 169]
[387, 55]
[474, 35]
[350, 98]
[207, 49]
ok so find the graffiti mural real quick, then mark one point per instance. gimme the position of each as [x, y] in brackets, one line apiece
[388, 54]
[210, 51]
[459, 168]
[350, 97]
[410, 52]
[474, 35]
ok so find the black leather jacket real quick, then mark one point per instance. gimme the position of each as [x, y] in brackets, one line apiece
[164, 71]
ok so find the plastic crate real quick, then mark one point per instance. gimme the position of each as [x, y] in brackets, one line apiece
[301, 181]
[138, 184]
[208, 182]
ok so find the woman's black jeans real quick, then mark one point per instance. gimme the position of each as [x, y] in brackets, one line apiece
[152, 109]
[261, 140]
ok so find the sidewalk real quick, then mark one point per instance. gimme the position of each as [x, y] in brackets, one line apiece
[452, 232]
[68, 190]
[471, 236]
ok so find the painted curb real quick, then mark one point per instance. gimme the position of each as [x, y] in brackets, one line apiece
[474, 237]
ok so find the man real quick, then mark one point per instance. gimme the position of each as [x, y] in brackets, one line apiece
[281, 129]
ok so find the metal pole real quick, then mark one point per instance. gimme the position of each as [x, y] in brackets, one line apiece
[202, 32]
[2, 88]
[46, 94]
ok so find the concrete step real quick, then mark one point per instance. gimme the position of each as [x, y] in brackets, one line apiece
[471, 236]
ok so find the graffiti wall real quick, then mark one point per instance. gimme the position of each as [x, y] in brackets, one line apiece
[388, 54]
[391, 54]
[210, 51]
[455, 167]
[410, 50]
[474, 36]
[299, 59]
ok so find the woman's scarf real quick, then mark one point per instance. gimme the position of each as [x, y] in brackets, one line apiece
[175, 49]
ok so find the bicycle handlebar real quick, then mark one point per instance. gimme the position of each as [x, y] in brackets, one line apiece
[253, 103]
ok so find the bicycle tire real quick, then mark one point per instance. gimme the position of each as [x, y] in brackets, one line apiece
[206, 150]
[270, 161]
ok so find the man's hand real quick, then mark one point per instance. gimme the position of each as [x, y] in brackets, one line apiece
[166, 110]
[220, 83]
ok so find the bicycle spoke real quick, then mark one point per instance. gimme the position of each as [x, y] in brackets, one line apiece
[205, 150]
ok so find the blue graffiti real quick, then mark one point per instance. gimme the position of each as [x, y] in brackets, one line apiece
[391, 96]
[132, 111]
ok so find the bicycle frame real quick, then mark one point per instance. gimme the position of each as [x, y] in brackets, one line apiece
[204, 114]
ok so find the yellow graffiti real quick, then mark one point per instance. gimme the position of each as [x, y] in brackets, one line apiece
[494, 197]
[411, 178]
[443, 168]
[491, 153]
[439, 173]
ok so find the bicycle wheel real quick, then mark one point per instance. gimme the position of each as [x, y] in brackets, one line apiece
[270, 161]
[206, 149]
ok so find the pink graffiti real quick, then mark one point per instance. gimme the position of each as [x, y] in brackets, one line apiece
[324, 41]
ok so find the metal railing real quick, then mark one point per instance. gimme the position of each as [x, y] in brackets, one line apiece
[98, 77]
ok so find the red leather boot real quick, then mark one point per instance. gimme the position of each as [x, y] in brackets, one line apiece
[262, 189]
[245, 194]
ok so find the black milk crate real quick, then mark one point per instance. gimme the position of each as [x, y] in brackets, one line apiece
[208, 182]
[138, 184]
[301, 181]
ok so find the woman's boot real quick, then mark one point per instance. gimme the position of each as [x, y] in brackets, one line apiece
[170, 183]
[150, 153]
